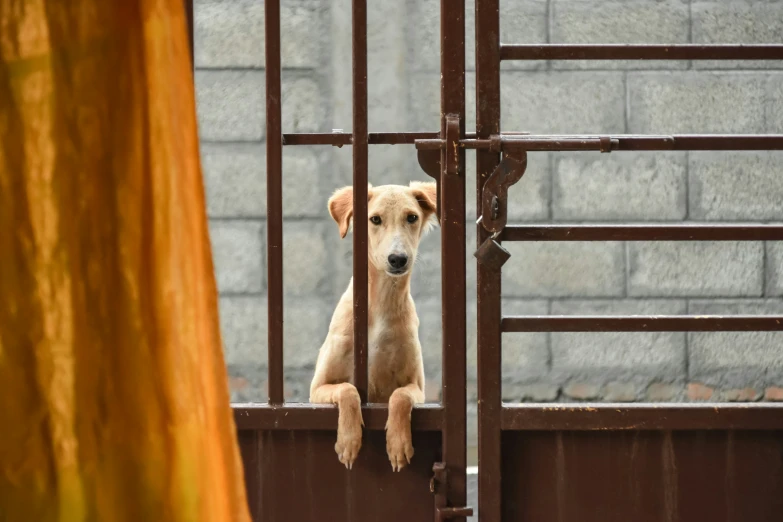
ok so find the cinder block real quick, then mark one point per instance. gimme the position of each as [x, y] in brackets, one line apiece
[636, 21]
[624, 186]
[695, 269]
[563, 102]
[736, 359]
[237, 252]
[564, 269]
[520, 22]
[304, 104]
[234, 179]
[726, 21]
[231, 33]
[774, 106]
[637, 357]
[736, 185]
[307, 265]
[525, 356]
[305, 325]
[303, 170]
[696, 102]
[243, 327]
[774, 286]
[231, 105]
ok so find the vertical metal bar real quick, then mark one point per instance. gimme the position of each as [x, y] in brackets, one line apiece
[274, 200]
[488, 292]
[452, 34]
[189, 19]
[360, 289]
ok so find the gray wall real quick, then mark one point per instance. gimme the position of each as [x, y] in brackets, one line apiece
[557, 278]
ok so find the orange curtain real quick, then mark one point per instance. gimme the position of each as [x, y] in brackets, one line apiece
[113, 396]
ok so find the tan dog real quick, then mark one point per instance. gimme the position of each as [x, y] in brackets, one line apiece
[398, 216]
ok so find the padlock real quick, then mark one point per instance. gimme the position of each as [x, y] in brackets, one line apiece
[492, 255]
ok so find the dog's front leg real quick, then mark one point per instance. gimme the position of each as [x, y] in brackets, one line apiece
[349, 419]
[399, 443]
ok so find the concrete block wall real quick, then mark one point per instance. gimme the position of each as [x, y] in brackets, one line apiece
[546, 97]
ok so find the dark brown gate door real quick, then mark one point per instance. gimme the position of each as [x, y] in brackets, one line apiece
[582, 463]
[291, 470]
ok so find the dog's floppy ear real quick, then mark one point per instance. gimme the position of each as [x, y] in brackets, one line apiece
[341, 207]
[426, 193]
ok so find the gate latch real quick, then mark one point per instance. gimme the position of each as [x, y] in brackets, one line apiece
[438, 485]
[494, 206]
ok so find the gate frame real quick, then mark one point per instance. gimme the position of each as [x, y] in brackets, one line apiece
[442, 156]
[496, 417]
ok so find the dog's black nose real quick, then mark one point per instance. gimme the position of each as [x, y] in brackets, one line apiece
[398, 261]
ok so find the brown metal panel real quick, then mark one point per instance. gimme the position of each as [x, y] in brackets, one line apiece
[644, 232]
[274, 200]
[641, 52]
[360, 165]
[249, 452]
[452, 205]
[488, 291]
[425, 417]
[300, 480]
[643, 476]
[643, 323]
[719, 416]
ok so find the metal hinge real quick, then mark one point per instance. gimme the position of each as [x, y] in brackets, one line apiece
[438, 485]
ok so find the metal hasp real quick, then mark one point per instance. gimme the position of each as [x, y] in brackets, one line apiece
[438, 486]
[494, 196]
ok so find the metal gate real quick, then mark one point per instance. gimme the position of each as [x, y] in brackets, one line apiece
[536, 462]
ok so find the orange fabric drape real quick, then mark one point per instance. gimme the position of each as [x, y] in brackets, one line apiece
[114, 403]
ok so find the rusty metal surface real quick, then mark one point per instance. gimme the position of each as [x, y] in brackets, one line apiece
[488, 280]
[453, 276]
[643, 476]
[274, 200]
[643, 323]
[644, 232]
[641, 52]
[640, 416]
[293, 416]
[293, 476]
[360, 166]
[619, 142]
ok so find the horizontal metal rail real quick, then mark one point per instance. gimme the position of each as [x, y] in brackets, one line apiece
[641, 52]
[642, 323]
[553, 142]
[644, 232]
[634, 142]
[589, 417]
[295, 416]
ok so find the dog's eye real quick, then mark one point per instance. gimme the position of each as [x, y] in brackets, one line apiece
[412, 218]
[376, 220]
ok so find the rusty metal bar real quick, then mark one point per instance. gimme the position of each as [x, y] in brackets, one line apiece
[488, 281]
[689, 232]
[625, 142]
[425, 417]
[452, 203]
[643, 323]
[339, 139]
[641, 52]
[191, 38]
[636, 417]
[360, 167]
[274, 200]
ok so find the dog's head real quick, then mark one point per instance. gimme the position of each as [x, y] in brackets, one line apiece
[398, 218]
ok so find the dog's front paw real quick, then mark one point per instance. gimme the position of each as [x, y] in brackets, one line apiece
[399, 446]
[349, 442]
